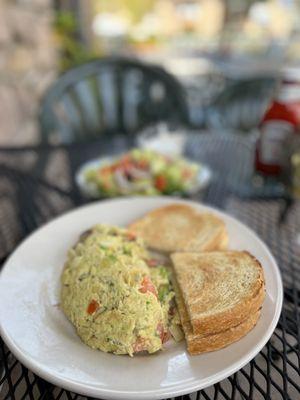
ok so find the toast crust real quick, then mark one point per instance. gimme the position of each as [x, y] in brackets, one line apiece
[198, 344]
[179, 227]
[203, 343]
[223, 242]
[203, 297]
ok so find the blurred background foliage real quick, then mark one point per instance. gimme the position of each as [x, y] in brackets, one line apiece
[72, 50]
[158, 28]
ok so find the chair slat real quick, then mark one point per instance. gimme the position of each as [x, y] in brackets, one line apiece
[88, 105]
[72, 112]
[63, 128]
[131, 99]
[108, 95]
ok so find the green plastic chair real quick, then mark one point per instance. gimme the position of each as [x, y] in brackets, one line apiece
[110, 96]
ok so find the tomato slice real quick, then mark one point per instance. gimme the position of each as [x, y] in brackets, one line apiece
[160, 183]
[142, 164]
[105, 171]
[126, 162]
[92, 307]
[187, 173]
[147, 286]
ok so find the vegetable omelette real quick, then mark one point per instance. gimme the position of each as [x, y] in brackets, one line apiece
[119, 299]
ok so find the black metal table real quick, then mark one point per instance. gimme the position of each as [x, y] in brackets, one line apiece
[37, 184]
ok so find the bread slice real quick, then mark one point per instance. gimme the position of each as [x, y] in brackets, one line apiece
[179, 227]
[201, 343]
[220, 289]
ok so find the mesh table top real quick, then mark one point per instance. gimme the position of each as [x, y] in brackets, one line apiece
[37, 184]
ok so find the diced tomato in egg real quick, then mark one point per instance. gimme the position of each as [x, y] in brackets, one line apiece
[164, 335]
[152, 262]
[139, 345]
[130, 236]
[147, 286]
[93, 307]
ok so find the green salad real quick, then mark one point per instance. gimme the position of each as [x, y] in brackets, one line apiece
[144, 172]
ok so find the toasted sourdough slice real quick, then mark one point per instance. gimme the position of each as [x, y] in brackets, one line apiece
[179, 227]
[220, 289]
[201, 343]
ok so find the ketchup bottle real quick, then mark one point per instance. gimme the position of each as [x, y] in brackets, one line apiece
[279, 125]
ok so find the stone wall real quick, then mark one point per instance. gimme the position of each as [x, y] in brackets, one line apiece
[27, 66]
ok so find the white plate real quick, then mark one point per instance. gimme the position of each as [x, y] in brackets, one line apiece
[40, 336]
[89, 189]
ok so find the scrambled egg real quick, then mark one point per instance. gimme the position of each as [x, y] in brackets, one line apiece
[117, 297]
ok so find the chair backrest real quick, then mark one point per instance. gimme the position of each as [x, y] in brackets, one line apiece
[242, 104]
[110, 96]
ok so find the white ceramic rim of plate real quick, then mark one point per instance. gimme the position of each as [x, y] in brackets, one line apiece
[176, 390]
[90, 190]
